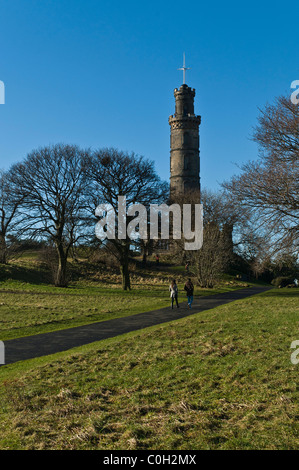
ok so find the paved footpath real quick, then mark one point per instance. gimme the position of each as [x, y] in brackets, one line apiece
[43, 344]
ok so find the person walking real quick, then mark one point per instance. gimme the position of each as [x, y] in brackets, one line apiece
[189, 288]
[173, 289]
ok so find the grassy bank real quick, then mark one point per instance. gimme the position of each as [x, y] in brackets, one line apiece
[30, 305]
[221, 379]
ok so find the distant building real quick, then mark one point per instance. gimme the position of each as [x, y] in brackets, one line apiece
[184, 144]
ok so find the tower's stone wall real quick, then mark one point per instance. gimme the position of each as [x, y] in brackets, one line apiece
[184, 143]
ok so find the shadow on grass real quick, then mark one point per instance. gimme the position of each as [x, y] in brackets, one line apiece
[31, 275]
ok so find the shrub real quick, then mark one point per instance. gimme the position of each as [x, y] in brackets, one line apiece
[282, 281]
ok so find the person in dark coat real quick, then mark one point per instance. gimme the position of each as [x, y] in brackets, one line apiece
[189, 288]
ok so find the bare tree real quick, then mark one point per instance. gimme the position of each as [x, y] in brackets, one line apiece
[269, 188]
[214, 256]
[216, 253]
[54, 185]
[10, 216]
[277, 131]
[116, 173]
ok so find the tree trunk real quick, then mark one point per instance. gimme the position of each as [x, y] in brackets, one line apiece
[124, 269]
[3, 250]
[60, 278]
[146, 250]
[144, 257]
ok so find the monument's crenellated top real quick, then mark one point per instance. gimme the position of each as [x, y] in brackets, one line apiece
[184, 90]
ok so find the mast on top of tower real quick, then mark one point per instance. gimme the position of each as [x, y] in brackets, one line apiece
[184, 68]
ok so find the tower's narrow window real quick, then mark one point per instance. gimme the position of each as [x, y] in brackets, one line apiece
[186, 139]
[186, 162]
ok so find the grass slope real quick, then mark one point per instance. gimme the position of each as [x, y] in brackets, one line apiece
[221, 379]
[29, 305]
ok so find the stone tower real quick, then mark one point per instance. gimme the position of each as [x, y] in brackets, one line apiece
[184, 143]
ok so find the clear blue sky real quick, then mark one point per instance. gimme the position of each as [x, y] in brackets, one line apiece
[102, 73]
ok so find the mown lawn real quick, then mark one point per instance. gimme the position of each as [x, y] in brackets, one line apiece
[220, 379]
[27, 313]
[28, 308]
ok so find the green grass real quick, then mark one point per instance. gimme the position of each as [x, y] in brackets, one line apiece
[220, 379]
[29, 305]
[28, 310]
[36, 311]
